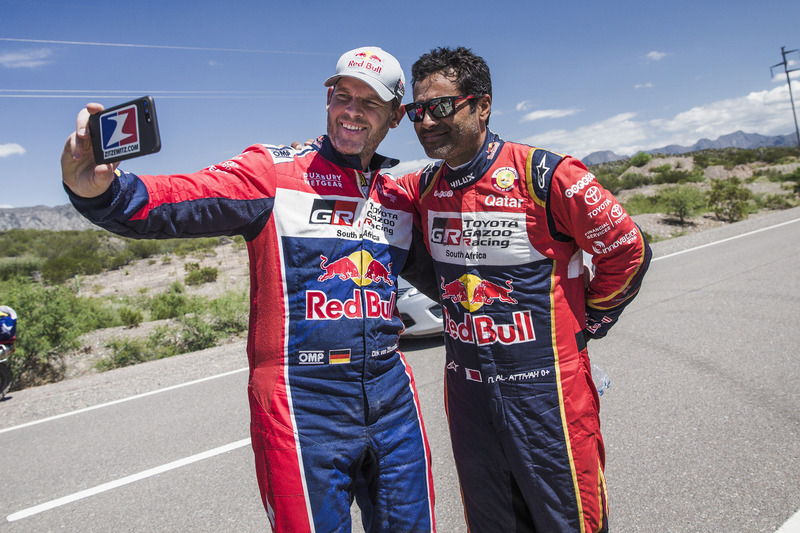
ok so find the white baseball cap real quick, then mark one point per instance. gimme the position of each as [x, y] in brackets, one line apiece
[375, 67]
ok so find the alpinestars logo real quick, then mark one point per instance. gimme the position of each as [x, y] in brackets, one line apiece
[119, 131]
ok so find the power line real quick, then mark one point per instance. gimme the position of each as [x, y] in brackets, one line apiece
[785, 65]
[166, 47]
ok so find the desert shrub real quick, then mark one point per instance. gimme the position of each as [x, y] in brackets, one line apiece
[172, 304]
[124, 352]
[639, 204]
[144, 248]
[640, 159]
[130, 317]
[775, 202]
[20, 266]
[50, 321]
[201, 275]
[729, 199]
[667, 174]
[683, 201]
[230, 314]
[197, 335]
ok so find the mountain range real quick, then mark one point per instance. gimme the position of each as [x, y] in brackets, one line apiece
[738, 139]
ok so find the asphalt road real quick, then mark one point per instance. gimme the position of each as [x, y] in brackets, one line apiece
[701, 423]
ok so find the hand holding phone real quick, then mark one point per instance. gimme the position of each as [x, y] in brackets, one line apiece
[125, 131]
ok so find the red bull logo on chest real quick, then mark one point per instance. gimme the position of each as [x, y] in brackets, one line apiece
[359, 267]
[363, 270]
[473, 292]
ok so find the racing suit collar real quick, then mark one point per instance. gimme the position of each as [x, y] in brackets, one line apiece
[326, 149]
[466, 175]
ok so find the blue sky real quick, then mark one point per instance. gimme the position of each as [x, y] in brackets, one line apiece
[574, 77]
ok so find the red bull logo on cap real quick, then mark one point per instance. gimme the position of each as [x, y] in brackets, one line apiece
[368, 55]
[473, 292]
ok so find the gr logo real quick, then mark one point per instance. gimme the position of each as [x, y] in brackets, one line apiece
[446, 230]
[334, 212]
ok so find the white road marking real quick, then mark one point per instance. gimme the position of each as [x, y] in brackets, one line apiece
[724, 240]
[25, 513]
[122, 400]
[792, 525]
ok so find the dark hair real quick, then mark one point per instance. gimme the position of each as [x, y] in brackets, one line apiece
[468, 71]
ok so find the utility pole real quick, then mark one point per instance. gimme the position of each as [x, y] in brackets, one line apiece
[786, 69]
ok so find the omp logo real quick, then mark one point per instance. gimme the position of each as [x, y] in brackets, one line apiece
[333, 212]
[443, 194]
[119, 131]
[446, 231]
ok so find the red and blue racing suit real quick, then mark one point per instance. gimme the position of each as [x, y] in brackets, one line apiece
[334, 409]
[507, 233]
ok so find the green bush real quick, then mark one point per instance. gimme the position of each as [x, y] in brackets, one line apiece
[50, 321]
[639, 204]
[729, 199]
[130, 317]
[171, 304]
[202, 275]
[684, 201]
[776, 202]
[640, 159]
[668, 174]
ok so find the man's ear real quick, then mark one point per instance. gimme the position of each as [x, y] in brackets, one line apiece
[485, 107]
[397, 116]
[330, 94]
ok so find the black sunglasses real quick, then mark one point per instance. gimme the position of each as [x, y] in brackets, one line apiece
[441, 107]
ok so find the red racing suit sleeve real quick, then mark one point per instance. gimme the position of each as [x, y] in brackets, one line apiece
[584, 210]
[231, 198]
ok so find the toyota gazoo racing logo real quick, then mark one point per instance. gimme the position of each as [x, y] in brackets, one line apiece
[119, 131]
[577, 187]
[473, 293]
[454, 231]
[363, 270]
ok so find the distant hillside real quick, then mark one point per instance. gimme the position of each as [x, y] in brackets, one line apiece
[60, 218]
[737, 139]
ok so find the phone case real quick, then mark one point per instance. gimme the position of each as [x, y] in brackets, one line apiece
[125, 131]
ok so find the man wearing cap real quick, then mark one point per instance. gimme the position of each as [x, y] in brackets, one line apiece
[334, 408]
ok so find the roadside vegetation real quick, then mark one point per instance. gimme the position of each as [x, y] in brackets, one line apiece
[40, 277]
[41, 271]
[683, 193]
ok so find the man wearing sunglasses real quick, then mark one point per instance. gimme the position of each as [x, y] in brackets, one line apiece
[334, 409]
[507, 225]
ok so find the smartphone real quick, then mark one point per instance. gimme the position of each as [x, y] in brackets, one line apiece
[125, 131]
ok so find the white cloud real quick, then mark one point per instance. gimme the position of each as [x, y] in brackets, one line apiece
[11, 149]
[647, 85]
[765, 112]
[524, 105]
[655, 56]
[27, 59]
[548, 113]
